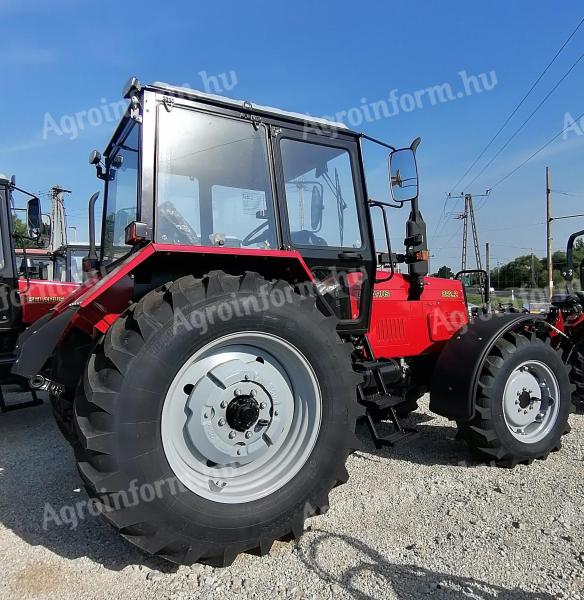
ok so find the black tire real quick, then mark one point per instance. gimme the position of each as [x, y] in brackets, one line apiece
[577, 375]
[118, 415]
[66, 370]
[487, 434]
[62, 405]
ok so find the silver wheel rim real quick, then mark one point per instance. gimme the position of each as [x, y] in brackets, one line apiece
[241, 417]
[531, 401]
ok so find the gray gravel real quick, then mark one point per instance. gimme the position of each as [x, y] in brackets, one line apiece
[421, 521]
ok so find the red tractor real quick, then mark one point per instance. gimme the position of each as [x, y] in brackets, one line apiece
[25, 293]
[240, 321]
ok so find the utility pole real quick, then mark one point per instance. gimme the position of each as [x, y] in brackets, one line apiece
[488, 282]
[548, 194]
[58, 220]
[465, 216]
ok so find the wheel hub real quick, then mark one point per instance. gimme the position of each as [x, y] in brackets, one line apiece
[242, 413]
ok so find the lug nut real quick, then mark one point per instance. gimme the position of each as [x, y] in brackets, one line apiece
[224, 404]
[247, 434]
[246, 377]
[253, 393]
[237, 392]
[231, 435]
[262, 405]
[221, 422]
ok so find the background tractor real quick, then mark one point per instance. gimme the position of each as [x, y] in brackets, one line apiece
[25, 261]
[240, 320]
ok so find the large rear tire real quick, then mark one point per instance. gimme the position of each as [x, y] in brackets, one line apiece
[523, 402]
[230, 424]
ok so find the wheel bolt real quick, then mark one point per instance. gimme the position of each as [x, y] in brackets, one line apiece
[247, 434]
[262, 405]
[253, 393]
[524, 412]
[221, 422]
[246, 377]
[516, 401]
[237, 392]
[224, 404]
[231, 435]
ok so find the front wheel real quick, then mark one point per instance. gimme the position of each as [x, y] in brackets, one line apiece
[523, 401]
[216, 415]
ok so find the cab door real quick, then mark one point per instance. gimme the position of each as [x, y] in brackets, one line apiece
[322, 204]
[9, 299]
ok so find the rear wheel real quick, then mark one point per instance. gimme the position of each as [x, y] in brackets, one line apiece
[523, 402]
[232, 424]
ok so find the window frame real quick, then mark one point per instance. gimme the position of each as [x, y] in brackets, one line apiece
[125, 129]
[199, 108]
[319, 140]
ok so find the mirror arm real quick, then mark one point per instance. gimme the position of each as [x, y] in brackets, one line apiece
[388, 204]
[375, 141]
[381, 206]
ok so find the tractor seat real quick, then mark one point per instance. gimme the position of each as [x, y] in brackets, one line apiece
[307, 238]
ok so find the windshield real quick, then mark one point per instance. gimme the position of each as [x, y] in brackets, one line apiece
[213, 184]
[122, 195]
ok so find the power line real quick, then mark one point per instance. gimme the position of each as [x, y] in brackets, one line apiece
[518, 105]
[526, 120]
[535, 153]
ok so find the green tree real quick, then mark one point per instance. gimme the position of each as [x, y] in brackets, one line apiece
[20, 232]
[523, 271]
[444, 272]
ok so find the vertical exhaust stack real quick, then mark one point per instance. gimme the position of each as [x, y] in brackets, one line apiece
[416, 250]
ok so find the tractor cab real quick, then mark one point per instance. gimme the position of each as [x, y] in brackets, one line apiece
[187, 171]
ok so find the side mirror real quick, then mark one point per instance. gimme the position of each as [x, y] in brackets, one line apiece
[34, 217]
[316, 208]
[581, 273]
[95, 157]
[403, 171]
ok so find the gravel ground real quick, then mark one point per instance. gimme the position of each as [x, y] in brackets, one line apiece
[425, 520]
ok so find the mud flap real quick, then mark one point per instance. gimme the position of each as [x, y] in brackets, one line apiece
[454, 380]
[36, 345]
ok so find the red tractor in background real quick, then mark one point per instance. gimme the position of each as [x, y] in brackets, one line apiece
[568, 314]
[25, 295]
[240, 321]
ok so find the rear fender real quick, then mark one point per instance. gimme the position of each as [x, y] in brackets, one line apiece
[455, 377]
[95, 307]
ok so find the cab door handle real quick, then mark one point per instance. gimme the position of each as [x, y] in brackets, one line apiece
[349, 255]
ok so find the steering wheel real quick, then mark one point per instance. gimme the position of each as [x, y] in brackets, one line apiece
[255, 236]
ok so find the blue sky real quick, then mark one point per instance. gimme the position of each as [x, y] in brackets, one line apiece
[65, 56]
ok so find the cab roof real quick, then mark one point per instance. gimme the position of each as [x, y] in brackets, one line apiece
[268, 111]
